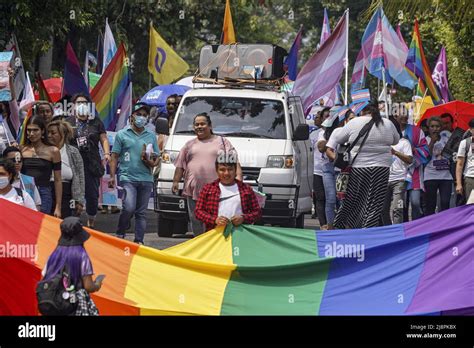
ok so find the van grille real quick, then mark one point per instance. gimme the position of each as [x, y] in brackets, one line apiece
[250, 173]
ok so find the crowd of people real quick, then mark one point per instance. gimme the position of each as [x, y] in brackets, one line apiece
[369, 170]
[394, 171]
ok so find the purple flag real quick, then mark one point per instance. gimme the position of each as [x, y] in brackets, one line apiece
[291, 61]
[73, 80]
[324, 69]
[358, 72]
[440, 75]
[326, 31]
[400, 37]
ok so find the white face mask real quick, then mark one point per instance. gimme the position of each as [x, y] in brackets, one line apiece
[4, 181]
[82, 110]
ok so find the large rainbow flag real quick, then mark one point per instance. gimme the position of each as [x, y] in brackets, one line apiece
[111, 88]
[417, 65]
[421, 267]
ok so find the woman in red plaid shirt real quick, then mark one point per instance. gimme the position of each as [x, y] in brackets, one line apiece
[227, 199]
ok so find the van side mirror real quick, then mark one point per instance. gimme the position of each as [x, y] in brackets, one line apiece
[301, 132]
[161, 126]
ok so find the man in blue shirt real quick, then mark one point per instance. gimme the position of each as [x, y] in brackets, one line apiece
[136, 149]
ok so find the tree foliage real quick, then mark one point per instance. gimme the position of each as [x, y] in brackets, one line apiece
[187, 25]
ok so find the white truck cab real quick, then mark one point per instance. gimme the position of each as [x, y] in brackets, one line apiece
[269, 131]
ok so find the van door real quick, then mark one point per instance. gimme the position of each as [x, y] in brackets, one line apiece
[304, 156]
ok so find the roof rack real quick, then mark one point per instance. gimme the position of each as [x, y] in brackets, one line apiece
[268, 85]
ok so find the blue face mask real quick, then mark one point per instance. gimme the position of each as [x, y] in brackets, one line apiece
[4, 181]
[140, 121]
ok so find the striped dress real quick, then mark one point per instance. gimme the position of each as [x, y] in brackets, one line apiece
[368, 180]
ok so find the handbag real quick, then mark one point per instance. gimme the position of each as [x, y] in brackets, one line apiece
[343, 155]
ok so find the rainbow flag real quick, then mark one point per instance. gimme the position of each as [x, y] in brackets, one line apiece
[22, 133]
[420, 267]
[420, 88]
[418, 66]
[111, 88]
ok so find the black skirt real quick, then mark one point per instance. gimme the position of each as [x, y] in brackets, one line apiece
[363, 203]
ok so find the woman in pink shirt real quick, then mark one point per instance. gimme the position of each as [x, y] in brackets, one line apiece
[196, 161]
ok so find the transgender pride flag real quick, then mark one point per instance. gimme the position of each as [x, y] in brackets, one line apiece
[324, 69]
[395, 51]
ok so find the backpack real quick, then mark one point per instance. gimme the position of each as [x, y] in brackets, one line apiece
[53, 297]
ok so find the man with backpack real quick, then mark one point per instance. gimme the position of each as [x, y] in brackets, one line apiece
[465, 165]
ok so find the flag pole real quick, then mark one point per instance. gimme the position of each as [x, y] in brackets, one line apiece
[347, 55]
[149, 73]
[384, 91]
[419, 107]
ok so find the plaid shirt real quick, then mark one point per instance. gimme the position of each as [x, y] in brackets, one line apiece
[207, 206]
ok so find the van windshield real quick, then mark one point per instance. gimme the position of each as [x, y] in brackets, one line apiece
[235, 117]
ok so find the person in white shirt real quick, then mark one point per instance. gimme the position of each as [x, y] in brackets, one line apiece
[370, 170]
[402, 157]
[465, 165]
[10, 193]
[437, 175]
[22, 181]
[319, 197]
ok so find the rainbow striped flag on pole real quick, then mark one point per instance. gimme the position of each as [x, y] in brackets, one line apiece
[417, 64]
[111, 88]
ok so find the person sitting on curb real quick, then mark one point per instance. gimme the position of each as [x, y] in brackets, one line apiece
[227, 199]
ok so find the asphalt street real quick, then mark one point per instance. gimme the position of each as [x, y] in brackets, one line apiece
[108, 223]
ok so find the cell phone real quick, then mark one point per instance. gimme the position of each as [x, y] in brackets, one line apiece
[99, 278]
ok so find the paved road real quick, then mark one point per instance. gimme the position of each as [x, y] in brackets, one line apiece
[108, 223]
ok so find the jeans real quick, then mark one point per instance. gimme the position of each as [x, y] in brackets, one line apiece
[46, 195]
[135, 202]
[196, 225]
[414, 198]
[432, 187]
[394, 202]
[319, 199]
[329, 181]
[91, 193]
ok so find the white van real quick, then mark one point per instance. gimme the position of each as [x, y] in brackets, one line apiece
[269, 132]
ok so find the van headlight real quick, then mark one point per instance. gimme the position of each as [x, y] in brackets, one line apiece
[280, 162]
[169, 156]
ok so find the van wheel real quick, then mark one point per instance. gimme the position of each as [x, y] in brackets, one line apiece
[168, 227]
[300, 221]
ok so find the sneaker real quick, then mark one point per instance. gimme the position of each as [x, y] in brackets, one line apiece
[140, 243]
[122, 236]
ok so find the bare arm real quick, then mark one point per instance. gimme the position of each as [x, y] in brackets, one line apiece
[90, 285]
[113, 168]
[58, 185]
[104, 141]
[405, 158]
[322, 146]
[330, 154]
[459, 168]
[178, 174]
